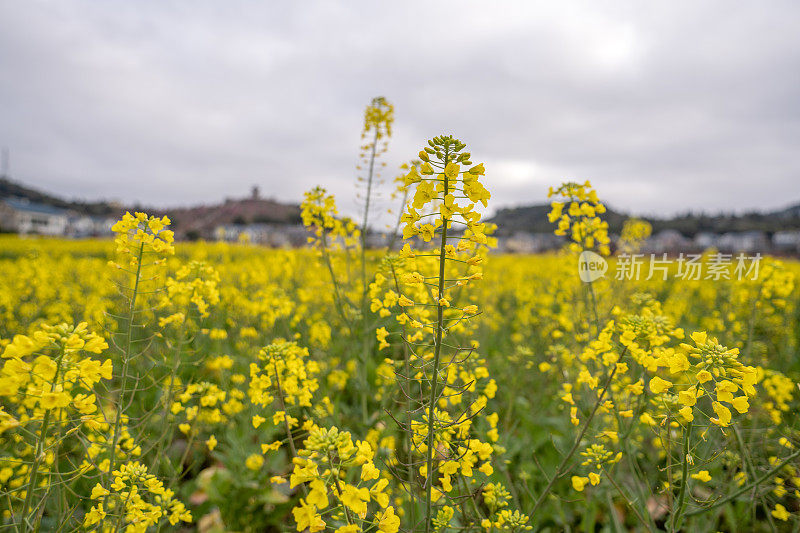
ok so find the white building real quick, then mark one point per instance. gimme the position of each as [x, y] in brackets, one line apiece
[668, 240]
[523, 242]
[744, 241]
[705, 240]
[82, 226]
[24, 217]
[273, 235]
[786, 241]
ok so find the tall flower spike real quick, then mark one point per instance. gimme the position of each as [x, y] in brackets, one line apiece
[429, 294]
[138, 237]
[141, 234]
[378, 119]
[378, 116]
[576, 213]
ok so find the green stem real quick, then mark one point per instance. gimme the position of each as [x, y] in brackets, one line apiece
[435, 369]
[283, 408]
[677, 514]
[409, 433]
[612, 511]
[337, 296]
[752, 474]
[124, 384]
[393, 238]
[336, 484]
[40, 444]
[562, 468]
[34, 472]
[633, 507]
[170, 395]
[288, 426]
[752, 322]
[177, 474]
[594, 308]
[364, 301]
[121, 516]
[746, 488]
[62, 499]
[366, 214]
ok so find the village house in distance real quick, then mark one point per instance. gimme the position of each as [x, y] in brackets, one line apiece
[21, 216]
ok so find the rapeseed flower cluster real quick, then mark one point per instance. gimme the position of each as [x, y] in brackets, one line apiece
[634, 232]
[47, 383]
[341, 474]
[577, 216]
[140, 234]
[704, 365]
[284, 369]
[194, 287]
[203, 406]
[135, 502]
[320, 214]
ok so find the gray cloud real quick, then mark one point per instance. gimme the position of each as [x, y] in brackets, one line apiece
[664, 106]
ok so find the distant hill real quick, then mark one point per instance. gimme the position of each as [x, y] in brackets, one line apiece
[12, 189]
[200, 221]
[188, 222]
[533, 219]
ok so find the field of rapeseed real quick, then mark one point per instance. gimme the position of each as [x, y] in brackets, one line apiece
[148, 385]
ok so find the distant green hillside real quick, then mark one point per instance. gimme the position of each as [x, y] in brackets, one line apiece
[533, 219]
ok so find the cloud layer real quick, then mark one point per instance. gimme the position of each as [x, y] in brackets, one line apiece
[665, 106]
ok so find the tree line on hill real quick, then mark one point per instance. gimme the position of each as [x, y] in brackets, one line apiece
[533, 219]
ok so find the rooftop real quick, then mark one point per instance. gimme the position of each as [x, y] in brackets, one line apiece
[20, 204]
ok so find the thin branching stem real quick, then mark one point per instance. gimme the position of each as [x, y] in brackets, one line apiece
[677, 514]
[125, 360]
[562, 467]
[39, 454]
[732, 496]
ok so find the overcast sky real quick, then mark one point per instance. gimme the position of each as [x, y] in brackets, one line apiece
[664, 106]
